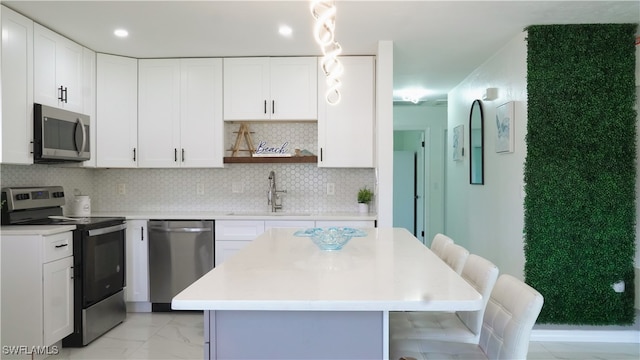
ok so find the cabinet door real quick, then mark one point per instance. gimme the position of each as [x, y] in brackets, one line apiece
[44, 66]
[238, 229]
[137, 261]
[69, 65]
[57, 63]
[246, 89]
[57, 299]
[117, 111]
[17, 88]
[294, 88]
[89, 99]
[159, 113]
[346, 130]
[346, 223]
[201, 125]
[227, 248]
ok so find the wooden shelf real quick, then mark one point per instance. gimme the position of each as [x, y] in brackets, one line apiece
[268, 160]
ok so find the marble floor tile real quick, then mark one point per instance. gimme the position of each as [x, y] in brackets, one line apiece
[179, 335]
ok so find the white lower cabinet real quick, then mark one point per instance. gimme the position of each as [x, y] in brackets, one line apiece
[227, 248]
[233, 235]
[37, 290]
[136, 292]
[58, 299]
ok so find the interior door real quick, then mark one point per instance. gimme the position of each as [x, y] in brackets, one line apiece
[404, 190]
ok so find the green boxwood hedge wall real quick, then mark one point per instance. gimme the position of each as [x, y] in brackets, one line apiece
[580, 171]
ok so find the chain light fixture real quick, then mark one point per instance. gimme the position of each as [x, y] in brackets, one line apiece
[324, 12]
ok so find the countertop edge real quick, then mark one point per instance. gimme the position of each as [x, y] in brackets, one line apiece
[329, 305]
[35, 229]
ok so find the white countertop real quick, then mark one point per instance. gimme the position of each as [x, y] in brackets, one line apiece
[387, 270]
[35, 229]
[239, 215]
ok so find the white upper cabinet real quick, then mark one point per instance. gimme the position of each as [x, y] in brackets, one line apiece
[180, 113]
[201, 125]
[346, 130]
[117, 111]
[17, 88]
[89, 98]
[57, 70]
[277, 88]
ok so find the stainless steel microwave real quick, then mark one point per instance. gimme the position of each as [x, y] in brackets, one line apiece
[60, 135]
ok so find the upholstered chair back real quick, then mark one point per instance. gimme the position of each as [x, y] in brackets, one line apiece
[511, 312]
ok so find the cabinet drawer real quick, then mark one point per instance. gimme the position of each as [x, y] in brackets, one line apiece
[288, 224]
[238, 229]
[346, 223]
[57, 246]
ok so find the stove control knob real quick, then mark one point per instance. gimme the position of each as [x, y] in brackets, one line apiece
[22, 197]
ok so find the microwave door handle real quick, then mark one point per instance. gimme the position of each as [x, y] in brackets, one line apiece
[84, 136]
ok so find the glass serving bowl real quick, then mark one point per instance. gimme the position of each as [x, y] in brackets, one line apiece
[331, 238]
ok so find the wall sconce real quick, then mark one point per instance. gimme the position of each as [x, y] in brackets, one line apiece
[490, 94]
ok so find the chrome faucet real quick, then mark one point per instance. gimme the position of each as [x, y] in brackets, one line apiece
[273, 198]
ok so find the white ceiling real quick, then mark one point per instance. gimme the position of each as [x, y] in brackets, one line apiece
[436, 43]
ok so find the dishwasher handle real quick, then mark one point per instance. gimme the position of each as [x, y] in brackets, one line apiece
[180, 229]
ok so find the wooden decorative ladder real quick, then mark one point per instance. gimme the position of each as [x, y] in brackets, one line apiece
[243, 133]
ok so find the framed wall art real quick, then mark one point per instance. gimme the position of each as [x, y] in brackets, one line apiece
[504, 128]
[458, 142]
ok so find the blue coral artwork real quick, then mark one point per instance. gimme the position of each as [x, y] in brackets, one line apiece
[458, 142]
[504, 128]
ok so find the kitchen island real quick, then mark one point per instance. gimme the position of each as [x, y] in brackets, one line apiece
[283, 298]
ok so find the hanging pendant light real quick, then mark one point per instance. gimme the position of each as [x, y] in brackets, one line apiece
[324, 12]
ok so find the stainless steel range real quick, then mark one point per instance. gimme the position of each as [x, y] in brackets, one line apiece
[98, 257]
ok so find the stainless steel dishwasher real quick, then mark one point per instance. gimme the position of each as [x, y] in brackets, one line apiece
[180, 252]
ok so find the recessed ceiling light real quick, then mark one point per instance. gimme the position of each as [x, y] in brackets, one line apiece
[121, 33]
[285, 30]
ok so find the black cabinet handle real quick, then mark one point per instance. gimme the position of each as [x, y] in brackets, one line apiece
[65, 95]
[60, 92]
[141, 233]
[61, 246]
[182, 154]
[175, 154]
[320, 154]
[273, 106]
[265, 106]
[134, 154]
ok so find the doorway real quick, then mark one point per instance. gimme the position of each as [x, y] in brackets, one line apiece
[409, 181]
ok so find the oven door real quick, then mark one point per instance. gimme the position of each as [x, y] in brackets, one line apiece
[103, 263]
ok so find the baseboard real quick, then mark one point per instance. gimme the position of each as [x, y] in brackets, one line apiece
[602, 336]
[138, 307]
[588, 333]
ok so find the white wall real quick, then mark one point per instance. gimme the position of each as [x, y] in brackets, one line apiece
[384, 134]
[433, 121]
[488, 219]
